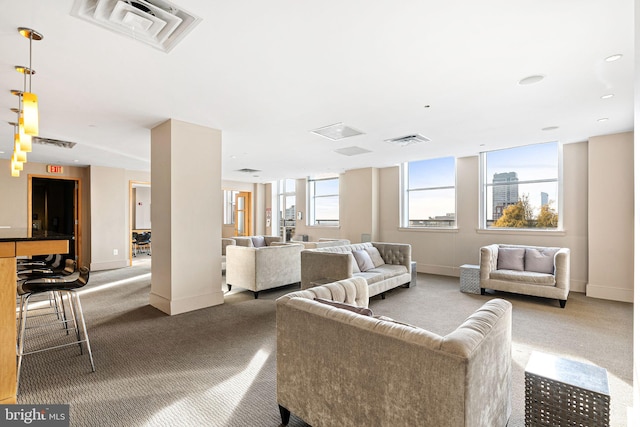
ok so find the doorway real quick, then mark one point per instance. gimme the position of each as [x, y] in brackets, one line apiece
[54, 206]
[242, 214]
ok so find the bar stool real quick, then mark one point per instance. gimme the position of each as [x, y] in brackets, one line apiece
[65, 287]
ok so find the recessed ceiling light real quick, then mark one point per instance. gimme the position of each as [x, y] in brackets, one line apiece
[607, 96]
[1, 152]
[604, 119]
[613, 57]
[550, 128]
[531, 79]
[75, 161]
[234, 157]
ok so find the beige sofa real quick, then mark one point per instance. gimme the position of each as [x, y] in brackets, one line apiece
[256, 241]
[529, 270]
[339, 368]
[225, 242]
[336, 263]
[257, 269]
[319, 244]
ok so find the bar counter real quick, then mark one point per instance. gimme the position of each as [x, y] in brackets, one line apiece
[15, 242]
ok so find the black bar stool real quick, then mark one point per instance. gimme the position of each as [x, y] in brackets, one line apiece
[65, 287]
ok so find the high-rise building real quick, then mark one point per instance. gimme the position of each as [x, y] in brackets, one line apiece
[505, 192]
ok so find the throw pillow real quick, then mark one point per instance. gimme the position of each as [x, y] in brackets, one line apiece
[258, 241]
[375, 256]
[539, 261]
[511, 259]
[354, 265]
[363, 259]
[354, 308]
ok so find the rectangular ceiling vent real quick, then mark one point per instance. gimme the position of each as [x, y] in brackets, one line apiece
[52, 142]
[403, 141]
[337, 131]
[247, 170]
[352, 151]
[158, 23]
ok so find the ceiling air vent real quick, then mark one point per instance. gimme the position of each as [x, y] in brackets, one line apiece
[403, 141]
[52, 142]
[247, 170]
[337, 131]
[158, 23]
[352, 151]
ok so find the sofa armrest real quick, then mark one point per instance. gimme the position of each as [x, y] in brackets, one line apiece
[269, 240]
[395, 253]
[226, 242]
[354, 291]
[243, 241]
[561, 264]
[316, 265]
[488, 260]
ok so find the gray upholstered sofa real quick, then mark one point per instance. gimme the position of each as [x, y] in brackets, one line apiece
[256, 241]
[340, 368]
[529, 270]
[391, 268]
[264, 267]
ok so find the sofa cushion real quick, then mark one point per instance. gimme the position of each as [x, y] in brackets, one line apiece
[511, 259]
[370, 276]
[529, 277]
[388, 270]
[258, 241]
[539, 260]
[363, 259]
[360, 310]
[374, 253]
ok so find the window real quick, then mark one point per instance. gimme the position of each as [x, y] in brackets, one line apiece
[429, 193]
[287, 208]
[324, 201]
[229, 206]
[521, 187]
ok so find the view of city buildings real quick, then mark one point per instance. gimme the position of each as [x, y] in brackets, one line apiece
[505, 192]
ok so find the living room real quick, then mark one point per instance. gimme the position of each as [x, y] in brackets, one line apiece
[600, 159]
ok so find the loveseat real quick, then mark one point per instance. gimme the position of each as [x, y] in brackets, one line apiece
[528, 270]
[263, 267]
[388, 265]
[336, 367]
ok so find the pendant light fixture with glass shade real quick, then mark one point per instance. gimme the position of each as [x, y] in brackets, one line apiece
[20, 155]
[23, 136]
[29, 99]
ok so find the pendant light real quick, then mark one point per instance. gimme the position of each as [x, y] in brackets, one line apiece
[20, 155]
[29, 99]
[23, 136]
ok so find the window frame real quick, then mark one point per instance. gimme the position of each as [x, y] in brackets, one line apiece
[312, 206]
[404, 196]
[484, 188]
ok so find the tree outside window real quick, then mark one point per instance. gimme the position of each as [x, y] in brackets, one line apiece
[521, 187]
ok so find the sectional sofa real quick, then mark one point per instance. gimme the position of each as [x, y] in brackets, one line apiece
[343, 366]
[384, 266]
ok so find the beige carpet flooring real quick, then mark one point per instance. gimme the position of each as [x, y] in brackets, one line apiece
[216, 366]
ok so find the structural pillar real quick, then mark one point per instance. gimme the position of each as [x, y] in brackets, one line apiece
[186, 217]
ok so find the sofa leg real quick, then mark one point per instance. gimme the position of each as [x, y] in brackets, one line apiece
[563, 302]
[255, 295]
[482, 291]
[228, 287]
[382, 295]
[284, 415]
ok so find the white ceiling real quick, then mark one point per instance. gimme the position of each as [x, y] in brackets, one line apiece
[267, 73]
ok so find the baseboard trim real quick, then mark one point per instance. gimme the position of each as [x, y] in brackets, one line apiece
[610, 293]
[441, 270]
[109, 265]
[173, 307]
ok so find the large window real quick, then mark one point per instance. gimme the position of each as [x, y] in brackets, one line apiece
[429, 193]
[229, 206]
[324, 201]
[287, 208]
[521, 187]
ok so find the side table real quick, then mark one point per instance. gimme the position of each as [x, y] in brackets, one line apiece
[561, 392]
[470, 278]
[414, 275]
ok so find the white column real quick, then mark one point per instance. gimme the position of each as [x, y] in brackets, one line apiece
[186, 217]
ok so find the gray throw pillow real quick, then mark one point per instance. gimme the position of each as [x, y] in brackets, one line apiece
[258, 241]
[539, 261]
[363, 259]
[375, 256]
[511, 259]
[354, 264]
[354, 308]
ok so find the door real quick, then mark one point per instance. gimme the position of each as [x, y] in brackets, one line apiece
[242, 214]
[54, 207]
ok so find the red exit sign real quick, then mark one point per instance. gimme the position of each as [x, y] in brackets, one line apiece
[54, 168]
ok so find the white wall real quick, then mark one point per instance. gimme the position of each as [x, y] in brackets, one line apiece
[611, 217]
[141, 208]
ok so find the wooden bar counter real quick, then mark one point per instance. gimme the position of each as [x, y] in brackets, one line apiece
[14, 243]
